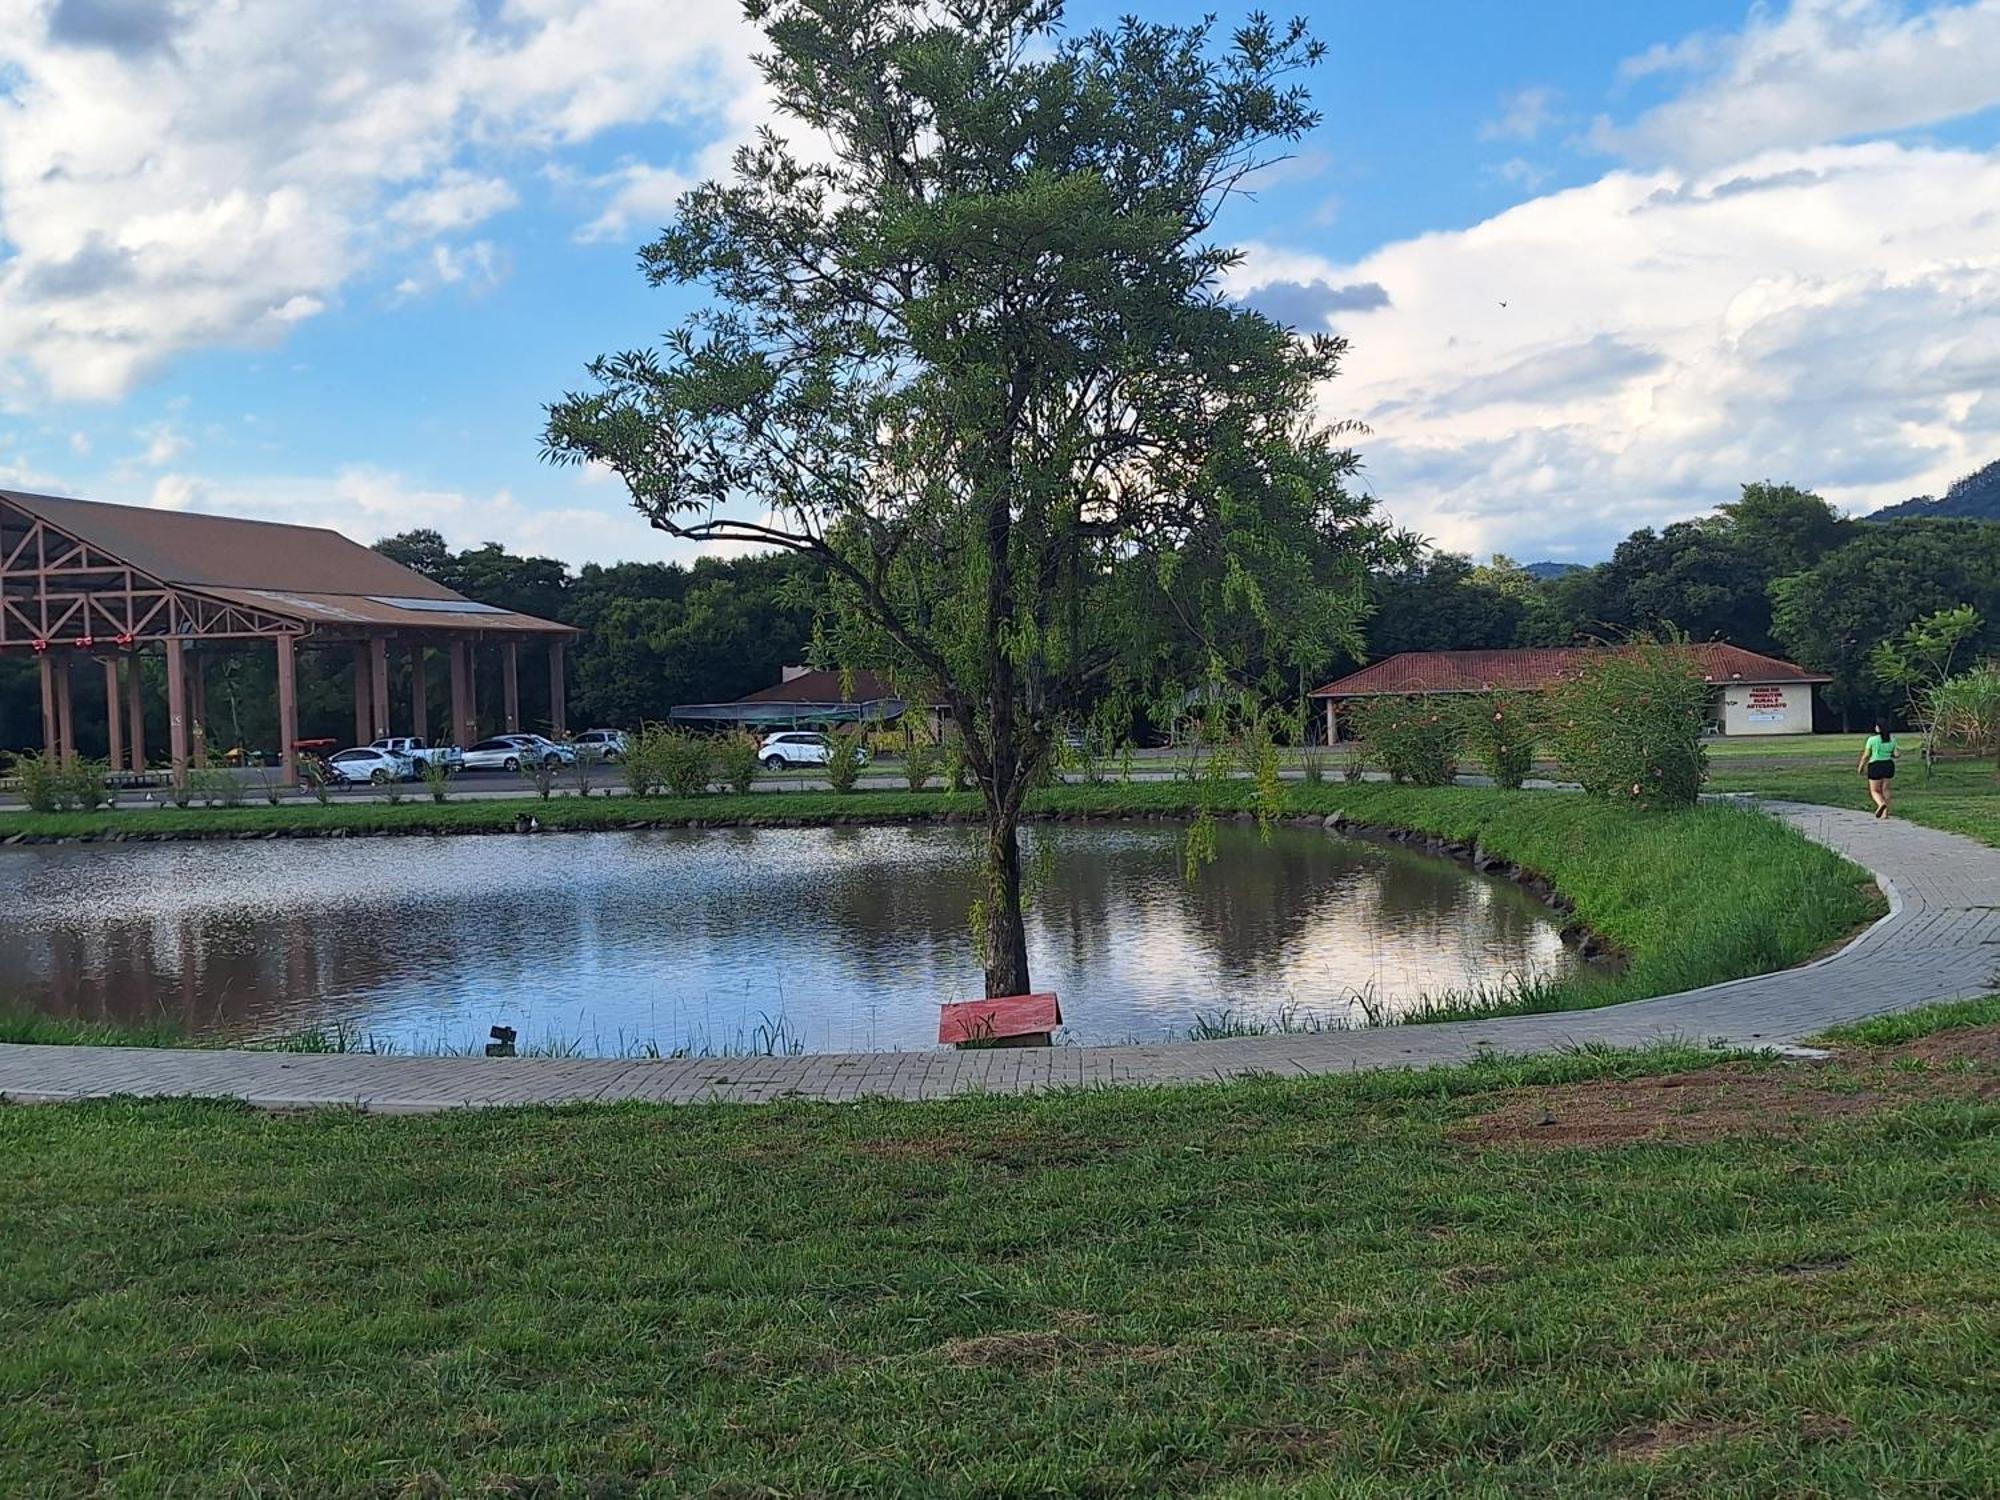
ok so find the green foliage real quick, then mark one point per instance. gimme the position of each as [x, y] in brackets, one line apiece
[1964, 712]
[437, 778]
[44, 788]
[645, 760]
[686, 762]
[1415, 738]
[975, 361]
[314, 777]
[843, 759]
[1499, 731]
[1628, 724]
[920, 764]
[1922, 656]
[1830, 616]
[737, 761]
[542, 773]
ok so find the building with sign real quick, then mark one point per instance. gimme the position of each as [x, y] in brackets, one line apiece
[1749, 693]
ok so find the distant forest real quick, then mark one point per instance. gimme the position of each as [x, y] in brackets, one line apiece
[1776, 569]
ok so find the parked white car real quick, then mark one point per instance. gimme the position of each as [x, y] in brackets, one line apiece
[563, 755]
[601, 744]
[796, 747]
[367, 764]
[413, 748]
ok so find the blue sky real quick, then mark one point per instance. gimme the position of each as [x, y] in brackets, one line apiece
[268, 260]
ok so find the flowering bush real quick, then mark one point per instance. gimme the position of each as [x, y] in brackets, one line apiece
[1413, 739]
[1628, 725]
[1500, 731]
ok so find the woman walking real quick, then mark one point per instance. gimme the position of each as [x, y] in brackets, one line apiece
[1878, 764]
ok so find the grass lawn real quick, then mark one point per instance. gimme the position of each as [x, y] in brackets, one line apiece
[1690, 898]
[1958, 796]
[1570, 1276]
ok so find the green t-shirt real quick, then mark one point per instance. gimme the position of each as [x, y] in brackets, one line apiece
[1881, 749]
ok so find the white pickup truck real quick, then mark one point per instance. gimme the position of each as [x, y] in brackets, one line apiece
[420, 754]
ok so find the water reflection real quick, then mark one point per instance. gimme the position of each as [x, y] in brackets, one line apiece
[851, 934]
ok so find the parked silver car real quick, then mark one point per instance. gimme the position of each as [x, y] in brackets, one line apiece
[601, 744]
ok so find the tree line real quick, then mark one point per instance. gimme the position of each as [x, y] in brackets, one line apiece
[1776, 570]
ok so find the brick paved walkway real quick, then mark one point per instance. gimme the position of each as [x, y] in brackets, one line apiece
[1940, 941]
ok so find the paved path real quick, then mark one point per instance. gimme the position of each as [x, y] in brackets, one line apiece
[1940, 941]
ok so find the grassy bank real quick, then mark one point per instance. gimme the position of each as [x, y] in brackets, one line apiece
[1564, 1276]
[1958, 796]
[1690, 898]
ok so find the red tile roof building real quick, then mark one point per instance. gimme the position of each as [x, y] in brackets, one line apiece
[1783, 704]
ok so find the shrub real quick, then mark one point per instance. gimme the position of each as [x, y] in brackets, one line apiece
[542, 774]
[920, 765]
[1415, 739]
[218, 787]
[1964, 712]
[685, 761]
[843, 761]
[1628, 723]
[1499, 731]
[437, 778]
[737, 762]
[43, 786]
[315, 778]
[957, 771]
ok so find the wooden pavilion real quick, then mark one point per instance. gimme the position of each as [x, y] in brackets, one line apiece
[87, 582]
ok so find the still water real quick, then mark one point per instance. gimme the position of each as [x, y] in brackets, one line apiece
[619, 941]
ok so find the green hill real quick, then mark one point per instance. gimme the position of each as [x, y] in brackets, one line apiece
[1975, 497]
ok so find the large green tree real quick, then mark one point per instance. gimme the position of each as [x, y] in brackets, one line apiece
[971, 353]
[1833, 615]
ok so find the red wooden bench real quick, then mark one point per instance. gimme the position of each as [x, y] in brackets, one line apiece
[1010, 1021]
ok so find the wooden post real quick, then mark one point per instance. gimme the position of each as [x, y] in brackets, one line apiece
[510, 686]
[177, 723]
[114, 730]
[288, 710]
[135, 712]
[420, 708]
[558, 692]
[65, 720]
[461, 718]
[197, 681]
[363, 708]
[378, 680]
[471, 691]
[51, 726]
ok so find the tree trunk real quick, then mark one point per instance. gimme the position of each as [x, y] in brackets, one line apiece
[1004, 939]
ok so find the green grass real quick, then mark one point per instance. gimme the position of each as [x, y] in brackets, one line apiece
[1259, 1289]
[1924, 1020]
[1690, 898]
[1958, 796]
[25, 1026]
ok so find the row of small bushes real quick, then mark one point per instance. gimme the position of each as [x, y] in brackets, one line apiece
[1625, 725]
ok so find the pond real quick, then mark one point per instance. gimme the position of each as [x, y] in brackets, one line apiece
[838, 939]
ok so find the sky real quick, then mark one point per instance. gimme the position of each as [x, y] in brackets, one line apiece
[1599, 265]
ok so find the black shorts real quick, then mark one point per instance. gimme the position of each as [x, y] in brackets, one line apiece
[1881, 770]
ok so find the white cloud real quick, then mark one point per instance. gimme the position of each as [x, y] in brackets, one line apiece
[1823, 70]
[1829, 316]
[164, 444]
[639, 192]
[478, 268]
[1522, 117]
[177, 177]
[368, 503]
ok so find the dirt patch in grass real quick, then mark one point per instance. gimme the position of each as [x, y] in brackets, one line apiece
[1649, 1444]
[1736, 1099]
